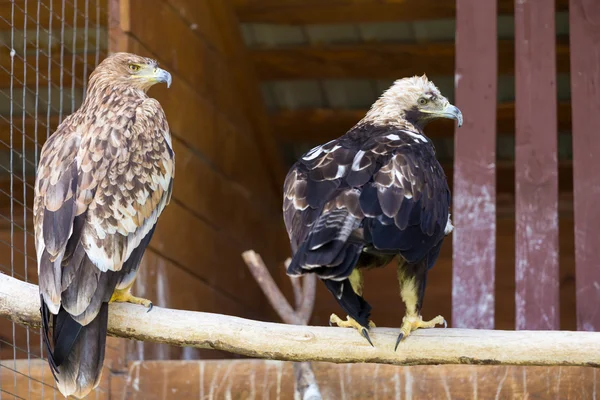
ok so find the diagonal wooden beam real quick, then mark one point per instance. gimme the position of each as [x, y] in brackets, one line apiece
[353, 11]
[378, 60]
[320, 125]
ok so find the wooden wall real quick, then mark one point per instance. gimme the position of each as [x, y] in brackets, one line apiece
[226, 196]
[249, 379]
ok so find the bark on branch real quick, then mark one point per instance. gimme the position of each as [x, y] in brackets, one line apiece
[19, 301]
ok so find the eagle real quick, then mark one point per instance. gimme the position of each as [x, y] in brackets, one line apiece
[374, 194]
[103, 179]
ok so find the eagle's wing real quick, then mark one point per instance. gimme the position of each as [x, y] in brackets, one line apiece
[100, 188]
[312, 182]
[392, 186]
[404, 194]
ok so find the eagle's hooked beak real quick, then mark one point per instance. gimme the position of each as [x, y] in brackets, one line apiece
[163, 76]
[452, 112]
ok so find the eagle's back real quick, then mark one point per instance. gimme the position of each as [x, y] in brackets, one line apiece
[378, 189]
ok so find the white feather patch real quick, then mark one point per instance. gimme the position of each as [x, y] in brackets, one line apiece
[417, 136]
[356, 162]
[393, 136]
[313, 153]
[340, 171]
[449, 227]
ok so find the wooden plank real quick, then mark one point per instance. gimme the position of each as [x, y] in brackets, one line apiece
[218, 127]
[585, 78]
[352, 11]
[51, 14]
[32, 379]
[24, 71]
[318, 125]
[25, 130]
[376, 60]
[246, 86]
[241, 379]
[537, 300]
[207, 253]
[227, 146]
[474, 208]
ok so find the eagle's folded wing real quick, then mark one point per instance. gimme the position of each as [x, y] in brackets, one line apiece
[98, 195]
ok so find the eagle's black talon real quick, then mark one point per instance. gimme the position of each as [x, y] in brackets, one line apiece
[400, 337]
[445, 323]
[150, 307]
[365, 333]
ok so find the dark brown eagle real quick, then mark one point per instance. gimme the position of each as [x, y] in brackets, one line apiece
[375, 193]
[103, 180]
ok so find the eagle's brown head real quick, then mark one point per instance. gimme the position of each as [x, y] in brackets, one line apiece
[416, 100]
[129, 70]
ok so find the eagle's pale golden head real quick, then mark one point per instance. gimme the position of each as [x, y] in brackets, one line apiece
[130, 70]
[416, 100]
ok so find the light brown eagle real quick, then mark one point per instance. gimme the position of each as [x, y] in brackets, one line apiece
[375, 193]
[103, 180]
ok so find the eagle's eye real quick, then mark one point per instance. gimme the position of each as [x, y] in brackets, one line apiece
[134, 67]
[422, 101]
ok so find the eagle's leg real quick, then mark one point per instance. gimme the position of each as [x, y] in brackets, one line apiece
[124, 296]
[412, 290]
[356, 281]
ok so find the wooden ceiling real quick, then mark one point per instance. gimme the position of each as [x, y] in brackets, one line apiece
[303, 59]
[354, 11]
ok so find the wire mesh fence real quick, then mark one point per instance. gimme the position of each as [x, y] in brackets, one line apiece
[47, 50]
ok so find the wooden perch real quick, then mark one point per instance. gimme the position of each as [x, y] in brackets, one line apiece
[19, 301]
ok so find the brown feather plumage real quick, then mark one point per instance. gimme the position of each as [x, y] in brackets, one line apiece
[109, 166]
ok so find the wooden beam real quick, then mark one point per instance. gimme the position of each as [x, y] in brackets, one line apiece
[236, 379]
[275, 379]
[320, 125]
[585, 77]
[474, 201]
[20, 303]
[353, 11]
[536, 162]
[377, 60]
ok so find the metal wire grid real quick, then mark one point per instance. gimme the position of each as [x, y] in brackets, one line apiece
[47, 50]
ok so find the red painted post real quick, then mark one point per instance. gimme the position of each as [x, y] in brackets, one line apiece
[536, 167]
[474, 197]
[585, 94]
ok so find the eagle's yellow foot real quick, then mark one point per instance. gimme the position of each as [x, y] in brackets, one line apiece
[351, 323]
[125, 296]
[412, 322]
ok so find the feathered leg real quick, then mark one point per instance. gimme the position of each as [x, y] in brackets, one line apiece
[412, 279]
[356, 282]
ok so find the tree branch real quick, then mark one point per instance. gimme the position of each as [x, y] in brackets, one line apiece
[304, 298]
[19, 301]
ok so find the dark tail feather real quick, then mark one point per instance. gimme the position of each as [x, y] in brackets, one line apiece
[78, 351]
[352, 303]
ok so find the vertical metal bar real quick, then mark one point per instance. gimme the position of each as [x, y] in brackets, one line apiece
[536, 167]
[11, 118]
[23, 166]
[35, 143]
[62, 62]
[74, 56]
[85, 45]
[474, 209]
[585, 94]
